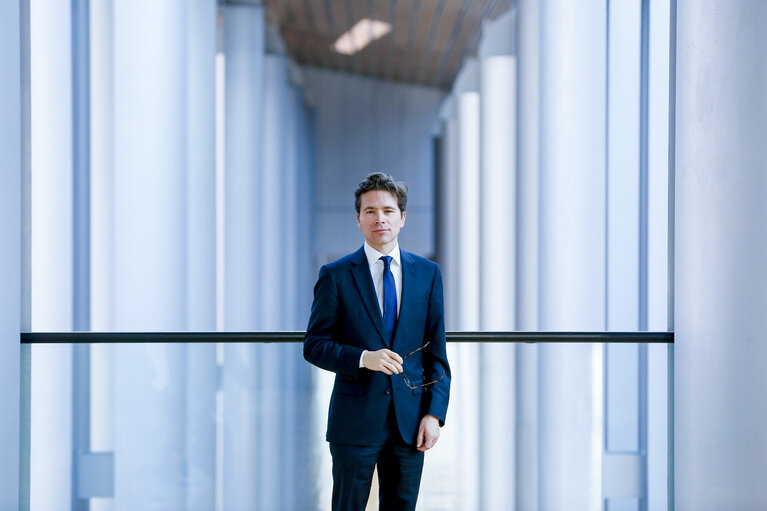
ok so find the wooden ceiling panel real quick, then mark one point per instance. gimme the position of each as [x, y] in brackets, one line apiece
[427, 45]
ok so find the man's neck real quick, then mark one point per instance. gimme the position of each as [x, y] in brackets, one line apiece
[386, 249]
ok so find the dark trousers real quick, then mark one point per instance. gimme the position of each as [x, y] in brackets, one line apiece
[399, 472]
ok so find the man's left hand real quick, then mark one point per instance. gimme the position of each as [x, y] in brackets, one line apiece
[428, 433]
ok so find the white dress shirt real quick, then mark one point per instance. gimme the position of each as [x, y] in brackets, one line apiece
[376, 266]
[376, 271]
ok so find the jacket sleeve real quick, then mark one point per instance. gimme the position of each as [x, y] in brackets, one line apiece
[322, 345]
[435, 362]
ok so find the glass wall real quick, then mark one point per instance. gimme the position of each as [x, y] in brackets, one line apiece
[193, 430]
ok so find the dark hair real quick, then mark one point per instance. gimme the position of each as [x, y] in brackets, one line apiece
[384, 182]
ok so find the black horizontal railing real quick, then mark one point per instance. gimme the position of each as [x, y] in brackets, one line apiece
[269, 337]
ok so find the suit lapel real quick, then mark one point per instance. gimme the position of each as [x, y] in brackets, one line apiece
[364, 282]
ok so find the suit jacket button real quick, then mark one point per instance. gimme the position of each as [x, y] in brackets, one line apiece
[387, 391]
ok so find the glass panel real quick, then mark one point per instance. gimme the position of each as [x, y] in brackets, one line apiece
[238, 425]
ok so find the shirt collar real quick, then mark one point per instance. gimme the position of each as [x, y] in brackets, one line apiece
[374, 255]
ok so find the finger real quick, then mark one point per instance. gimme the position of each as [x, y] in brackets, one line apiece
[419, 439]
[393, 356]
[394, 367]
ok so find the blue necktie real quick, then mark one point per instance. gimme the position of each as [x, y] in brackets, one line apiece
[390, 299]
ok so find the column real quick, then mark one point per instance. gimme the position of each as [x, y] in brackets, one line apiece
[498, 248]
[658, 382]
[10, 252]
[274, 432]
[625, 364]
[102, 231]
[527, 51]
[720, 290]
[448, 186]
[202, 371]
[572, 251]
[150, 208]
[51, 252]
[244, 88]
[468, 226]
[466, 359]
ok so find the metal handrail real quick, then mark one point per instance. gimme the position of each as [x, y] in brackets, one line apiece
[272, 337]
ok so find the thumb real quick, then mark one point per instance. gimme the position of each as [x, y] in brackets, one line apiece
[419, 440]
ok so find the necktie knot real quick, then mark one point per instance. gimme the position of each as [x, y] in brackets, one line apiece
[386, 260]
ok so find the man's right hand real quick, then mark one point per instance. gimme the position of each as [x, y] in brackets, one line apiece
[383, 360]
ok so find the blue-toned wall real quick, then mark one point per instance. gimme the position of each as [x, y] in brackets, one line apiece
[365, 125]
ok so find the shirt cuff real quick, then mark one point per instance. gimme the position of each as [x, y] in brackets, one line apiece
[361, 357]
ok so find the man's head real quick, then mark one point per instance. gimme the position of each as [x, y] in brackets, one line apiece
[384, 183]
[380, 203]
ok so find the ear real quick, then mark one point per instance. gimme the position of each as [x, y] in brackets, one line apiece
[402, 220]
[358, 220]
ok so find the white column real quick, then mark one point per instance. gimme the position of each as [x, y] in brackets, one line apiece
[448, 190]
[10, 251]
[51, 160]
[498, 208]
[623, 472]
[150, 252]
[202, 371]
[720, 292]
[244, 76]
[572, 251]
[468, 260]
[290, 216]
[272, 193]
[102, 230]
[527, 50]
[658, 256]
[273, 434]
[466, 360]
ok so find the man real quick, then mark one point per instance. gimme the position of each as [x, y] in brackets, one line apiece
[377, 322]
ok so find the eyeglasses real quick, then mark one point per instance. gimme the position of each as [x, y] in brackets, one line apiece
[407, 382]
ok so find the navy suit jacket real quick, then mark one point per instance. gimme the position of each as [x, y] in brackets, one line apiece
[346, 319]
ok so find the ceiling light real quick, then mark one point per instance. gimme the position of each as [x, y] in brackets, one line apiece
[360, 35]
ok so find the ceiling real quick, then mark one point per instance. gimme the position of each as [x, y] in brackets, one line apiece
[427, 44]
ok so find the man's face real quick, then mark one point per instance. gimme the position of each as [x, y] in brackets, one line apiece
[380, 219]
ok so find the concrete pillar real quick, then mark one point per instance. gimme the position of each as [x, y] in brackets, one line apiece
[244, 85]
[150, 158]
[468, 256]
[658, 390]
[52, 263]
[625, 364]
[102, 231]
[448, 186]
[202, 371]
[572, 251]
[466, 411]
[498, 208]
[10, 252]
[274, 433]
[720, 290]
[528, 59]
